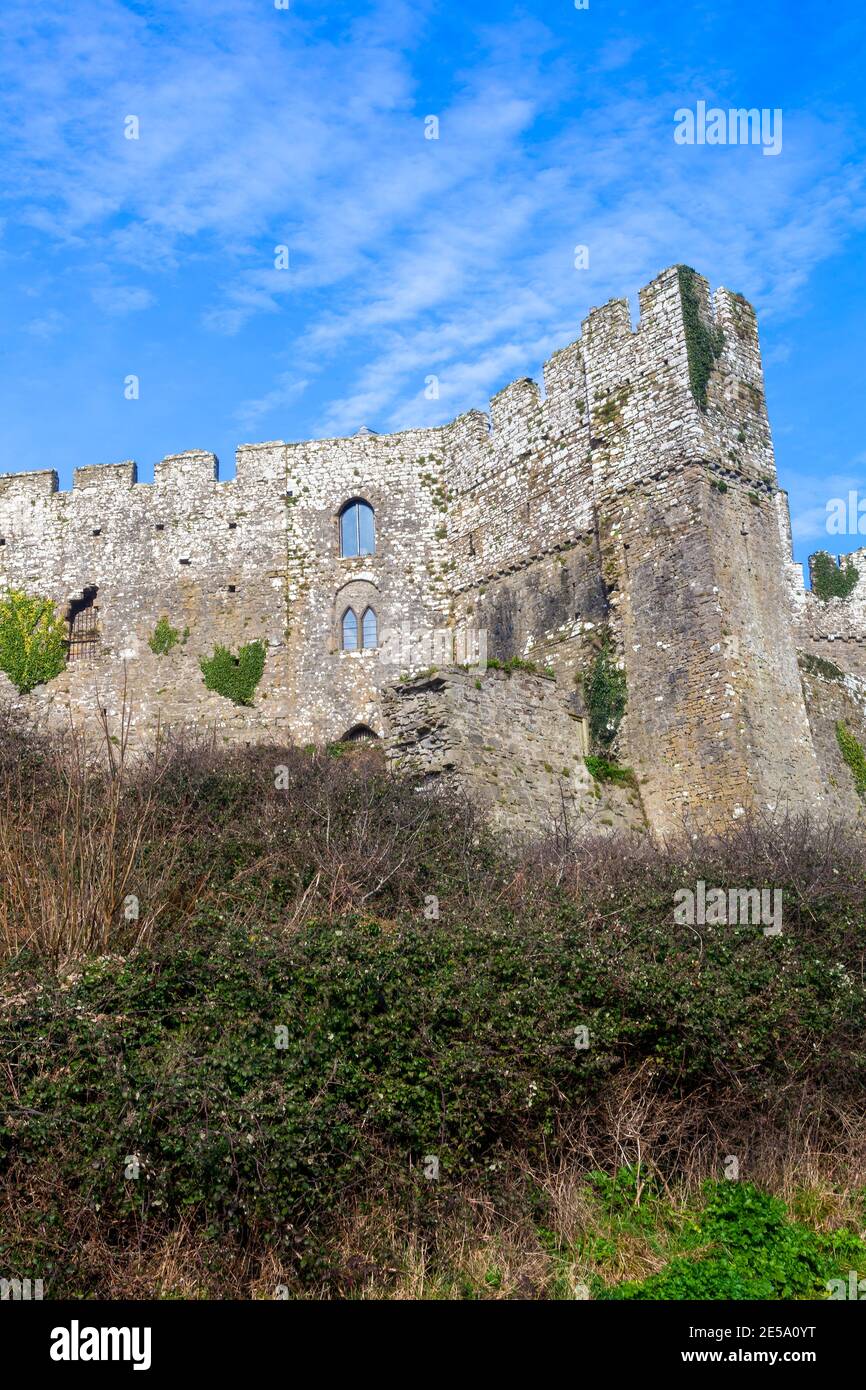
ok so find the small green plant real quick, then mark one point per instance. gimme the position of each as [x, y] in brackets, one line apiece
[235, 677]
[605, 771]
[512, 664]
[703, 343]
[753, 1250]
[853, 755]
[32, 640]
[163, 637]
[720, 485]
[605, 693]
[830, 580]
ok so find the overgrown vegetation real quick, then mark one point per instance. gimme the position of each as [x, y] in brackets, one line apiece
[737, 1243]
[518, 663]
[164, 637]
[820, 666]
[853, 755]
[605, 771]
[704, 342]
[32, 640]
[605, 696]
[830, 580]
[242, 1083]
[235, 677]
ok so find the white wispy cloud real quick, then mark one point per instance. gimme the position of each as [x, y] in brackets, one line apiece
[409, 257]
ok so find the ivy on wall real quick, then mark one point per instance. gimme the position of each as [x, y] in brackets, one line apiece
[852, 753]
[830, 580]
[605, 696]
[703, 342]
[235, 677]
[32, 640]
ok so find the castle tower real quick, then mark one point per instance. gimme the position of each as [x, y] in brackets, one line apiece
[695, 555]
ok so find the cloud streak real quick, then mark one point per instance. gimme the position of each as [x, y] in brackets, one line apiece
[409, 257]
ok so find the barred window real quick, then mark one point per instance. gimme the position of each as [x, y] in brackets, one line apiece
[83, 626]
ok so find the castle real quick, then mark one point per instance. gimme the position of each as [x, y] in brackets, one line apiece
[633, 509]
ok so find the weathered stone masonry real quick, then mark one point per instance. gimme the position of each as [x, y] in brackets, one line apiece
[638, 498]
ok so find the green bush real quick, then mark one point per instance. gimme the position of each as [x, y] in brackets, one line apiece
[164, 637]
[454, 1038]
[235, 677]
[295, 1035]
[605, 695]
[605, 771]
[830, 580]
[32, 640]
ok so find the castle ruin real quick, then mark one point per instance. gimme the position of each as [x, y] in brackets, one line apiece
[634, 507]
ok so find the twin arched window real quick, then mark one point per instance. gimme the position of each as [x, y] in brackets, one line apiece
[357, 530]
[369, 630]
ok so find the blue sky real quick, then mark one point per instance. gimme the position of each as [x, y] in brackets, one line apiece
[304, 127]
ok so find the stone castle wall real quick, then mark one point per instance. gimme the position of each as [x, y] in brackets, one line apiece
[634, 502]
[508, 741]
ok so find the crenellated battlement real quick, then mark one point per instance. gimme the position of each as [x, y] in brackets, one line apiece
[613, 378]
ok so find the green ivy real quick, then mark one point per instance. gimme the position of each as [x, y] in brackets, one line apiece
[235, 677]
[32, 640]
[830, 580]
[605, 692]
[703, 343]
[852, 753]
[820, 666]
[164, 637]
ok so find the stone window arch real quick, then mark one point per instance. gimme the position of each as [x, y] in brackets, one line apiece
[356, 617]
[357, 528]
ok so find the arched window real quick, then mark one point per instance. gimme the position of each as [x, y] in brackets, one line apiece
[350, 631]
[369, 629]
[357, 531]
